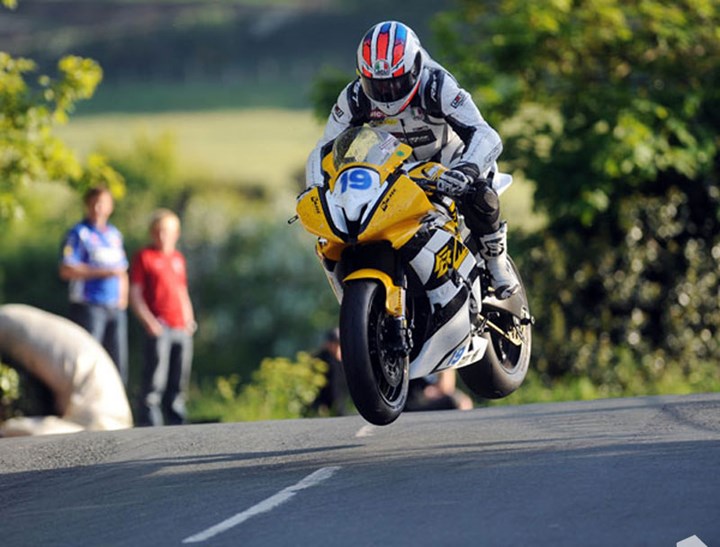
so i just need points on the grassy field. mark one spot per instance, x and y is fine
(244, 146)
(268, 146)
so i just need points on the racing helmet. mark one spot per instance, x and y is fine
(389, 63)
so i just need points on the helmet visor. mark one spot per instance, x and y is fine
(388, 90)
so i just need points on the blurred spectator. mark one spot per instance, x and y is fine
(95, 264)
(160, 299)
(437, 392)
(333, 397)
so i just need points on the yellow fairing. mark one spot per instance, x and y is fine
(429, 170)
(397, 218)
(394, 295)
(312, 216)
(330, 249)
(328, 166)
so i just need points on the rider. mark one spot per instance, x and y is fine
(401, 89)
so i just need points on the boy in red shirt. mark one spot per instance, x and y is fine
(160, 299)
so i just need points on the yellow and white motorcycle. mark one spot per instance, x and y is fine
(414, 297)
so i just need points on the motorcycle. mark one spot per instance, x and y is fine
(414, 295)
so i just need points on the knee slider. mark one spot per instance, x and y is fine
(485, 200)
(482, 210)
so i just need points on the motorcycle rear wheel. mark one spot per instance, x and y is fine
(377, 380)
(504, 366)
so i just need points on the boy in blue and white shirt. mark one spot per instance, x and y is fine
(95, 264)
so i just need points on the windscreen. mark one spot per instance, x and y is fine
(363, 144)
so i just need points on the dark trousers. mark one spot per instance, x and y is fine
(109, 327)
(166, 377)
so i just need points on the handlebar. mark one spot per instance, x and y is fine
(431, 186)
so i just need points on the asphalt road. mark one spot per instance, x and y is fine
(622, 472)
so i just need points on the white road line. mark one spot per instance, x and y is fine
(365, 431)
(692, 541)
(264, 506)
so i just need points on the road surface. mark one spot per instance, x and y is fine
(619, 472)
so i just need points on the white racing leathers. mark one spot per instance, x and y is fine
(441, 123)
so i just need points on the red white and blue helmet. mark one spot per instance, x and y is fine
(389, 63)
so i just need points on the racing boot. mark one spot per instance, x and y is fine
(493, 250)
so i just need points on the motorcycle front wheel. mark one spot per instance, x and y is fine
(377, 379)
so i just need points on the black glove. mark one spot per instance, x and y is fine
(453, 183)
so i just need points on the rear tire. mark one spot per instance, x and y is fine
(504, 366)
(377, 381)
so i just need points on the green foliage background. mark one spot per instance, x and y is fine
(609, 110)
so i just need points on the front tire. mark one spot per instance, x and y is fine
(377, 380)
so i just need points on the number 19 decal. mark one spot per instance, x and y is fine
(357, 179)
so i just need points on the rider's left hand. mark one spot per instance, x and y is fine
(453, 183)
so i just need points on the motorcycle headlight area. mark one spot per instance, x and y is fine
(355, 191)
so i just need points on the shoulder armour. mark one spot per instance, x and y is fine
(432, 91)
(358, 103)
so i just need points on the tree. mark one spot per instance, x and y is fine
(29, 152)
(612, 108)
(633, 86)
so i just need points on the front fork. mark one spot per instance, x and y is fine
(397, 335)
